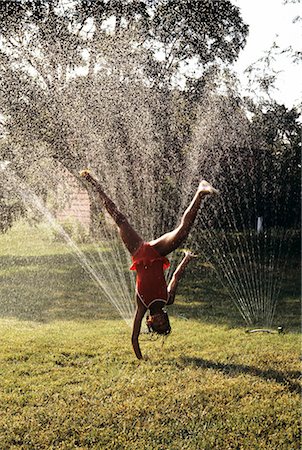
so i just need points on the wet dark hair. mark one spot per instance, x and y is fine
(159, 323)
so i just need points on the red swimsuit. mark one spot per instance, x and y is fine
(151, 285)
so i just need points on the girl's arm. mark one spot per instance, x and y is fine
(140, 312)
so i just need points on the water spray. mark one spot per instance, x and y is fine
(4, 164)
(106, 282)
(259, 225)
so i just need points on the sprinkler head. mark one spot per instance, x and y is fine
(280, 330)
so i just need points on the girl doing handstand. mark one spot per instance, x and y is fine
(149, 261)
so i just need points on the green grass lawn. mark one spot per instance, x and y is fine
(69, 378)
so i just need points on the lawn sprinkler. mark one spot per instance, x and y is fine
(280, 330)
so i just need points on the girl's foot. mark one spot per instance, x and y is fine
(206, 188)
(189, 255)
(85, 173)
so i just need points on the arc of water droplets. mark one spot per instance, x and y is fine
(248, 268)
(103, 278)
(227, 263)
(245, 261)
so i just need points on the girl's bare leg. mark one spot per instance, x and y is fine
(129, 236)
(172, 240)
(177, 276)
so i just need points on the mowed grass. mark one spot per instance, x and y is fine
(69, 378)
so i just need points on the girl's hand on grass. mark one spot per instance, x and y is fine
(143, 359)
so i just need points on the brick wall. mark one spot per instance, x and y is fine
(78, 207)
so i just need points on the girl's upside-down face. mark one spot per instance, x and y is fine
(159, 323)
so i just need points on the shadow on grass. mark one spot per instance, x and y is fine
(287, 379)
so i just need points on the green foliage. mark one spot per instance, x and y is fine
(206, 29)
(75, 230)
(46, 119)
(256, 149)
(276, 130)
(10, 211)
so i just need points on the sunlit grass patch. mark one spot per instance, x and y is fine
(70, 384)
(69, 378)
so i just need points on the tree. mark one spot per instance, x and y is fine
(75, 92)
(276, 132)
(175, 31)
(203, 31)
